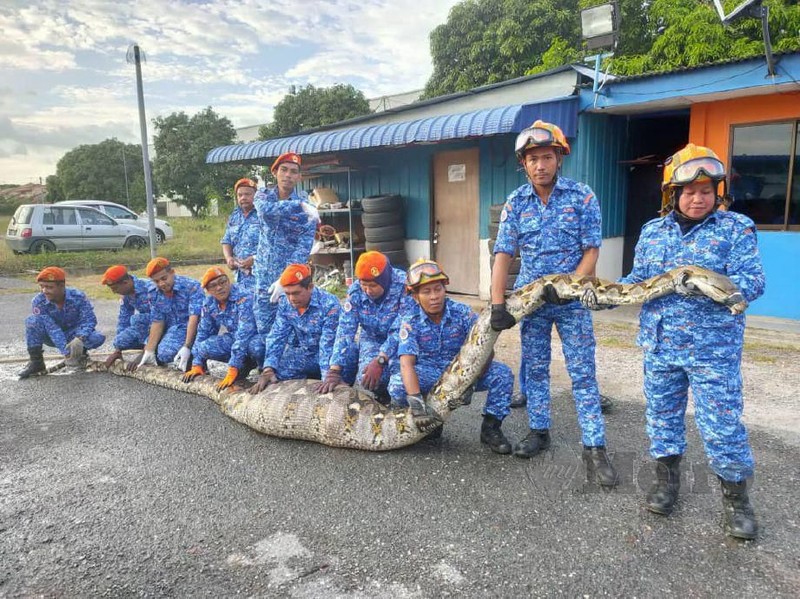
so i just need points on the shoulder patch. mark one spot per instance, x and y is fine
(348, 306)
(403, 333)
(504, 213)
(36, 310)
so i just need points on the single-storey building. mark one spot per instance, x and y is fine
(452, 157)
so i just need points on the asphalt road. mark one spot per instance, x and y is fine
(109, 487)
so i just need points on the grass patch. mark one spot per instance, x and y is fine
(763, 359)
(195, 239)
(616, 343)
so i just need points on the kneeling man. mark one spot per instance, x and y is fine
(133, 322)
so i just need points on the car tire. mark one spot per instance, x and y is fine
(390, 233)
(135, 243)
(393, 203)
(386, 246)
(42, 246)
(380, 219)
(397, 258)
(160, 236)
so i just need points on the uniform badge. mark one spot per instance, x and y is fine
(403, 333)
(36, 310)
(348, 306)
(374, 271)
(504, 213)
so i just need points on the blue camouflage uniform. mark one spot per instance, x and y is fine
(240, 339)
(692, 341)
(50, 325)
(551, 239)
(133, 322)
(287, 234)
(372, 320)
(242, 233)
(299, 345)
(435, 345)
(174, 310)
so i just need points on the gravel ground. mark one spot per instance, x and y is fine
(109, 487)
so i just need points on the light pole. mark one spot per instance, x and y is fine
(134, 56)
(125, 166)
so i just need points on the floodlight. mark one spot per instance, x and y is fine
(599, 25)
(748, 8)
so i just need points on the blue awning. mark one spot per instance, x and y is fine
(479, 123)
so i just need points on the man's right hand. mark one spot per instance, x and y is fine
(589, 301)
(501, 319)
(333, 378)
(275, 292)
(266, 379)
(232, 263)
(113, 357)
(425, 418)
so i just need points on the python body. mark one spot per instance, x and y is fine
(349, 418)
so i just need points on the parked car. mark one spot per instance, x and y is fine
(38, 228)
(121, 213)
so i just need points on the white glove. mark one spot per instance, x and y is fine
(182, 358)
(75, 355)
(312, 212)
(275, 292)
(148, 357)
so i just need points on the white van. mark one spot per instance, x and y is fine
(125, 215)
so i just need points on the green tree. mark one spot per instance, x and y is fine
(98, 172)
(180, 169)
(308, 107)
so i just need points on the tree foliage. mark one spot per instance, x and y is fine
(98, 172)
(180, 169)
(487, 41)
(308, 107)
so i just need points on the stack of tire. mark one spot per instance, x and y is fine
(384, 227)
(494, 226)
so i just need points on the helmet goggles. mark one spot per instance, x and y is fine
(691, 170)
(534, 136)
(425, 271)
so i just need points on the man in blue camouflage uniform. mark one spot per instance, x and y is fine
(554, 222)
(240, 241)
(370, 310)
(690, 341)
(301, 340)
(61, 317)
(133, 321)
(288, 223)
(240, 345)
(429, 337)
(176, 303)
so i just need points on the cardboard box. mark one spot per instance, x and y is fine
(323, 195)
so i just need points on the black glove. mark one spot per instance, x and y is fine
(425, 418)
(550, 295)
(501, 319)
(589, 301)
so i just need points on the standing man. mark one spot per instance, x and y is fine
(231, 307)
(133, 321)
(288, 224)
(61, 317)
(370, 310)
(430, 335)
(300, 343)
(691, 342)
(555, 224)
(240, 241)
(176, 303)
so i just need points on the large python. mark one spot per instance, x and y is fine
(350, 418)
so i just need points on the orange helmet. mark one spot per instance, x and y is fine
(692, 163)
(425, 271)
(541, 135)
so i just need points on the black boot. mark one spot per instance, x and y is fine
(493, 436)
(536, 440)
(518, 400)
(598, 467)
(605, 404)
(36, 364)
(739, 519)
(662, 495)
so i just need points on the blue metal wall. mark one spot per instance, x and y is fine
(779, 251)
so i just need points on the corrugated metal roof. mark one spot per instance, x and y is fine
(479, 123)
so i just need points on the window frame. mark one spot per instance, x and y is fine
(793, 147)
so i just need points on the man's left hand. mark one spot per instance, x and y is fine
(74, 353)
(312, 212)
(266, 379)
(551, 296)
(685, 288)
(182, 358)
(372, 375)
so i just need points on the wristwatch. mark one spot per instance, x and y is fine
(382, 360)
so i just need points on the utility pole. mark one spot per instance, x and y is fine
(125, 166)
(134, 55)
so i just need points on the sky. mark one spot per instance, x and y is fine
(64, 79)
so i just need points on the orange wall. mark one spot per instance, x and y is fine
(710, 123)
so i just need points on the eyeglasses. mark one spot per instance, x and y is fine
(694, 168)
(217, 283)
(533, 136)
(427, 270)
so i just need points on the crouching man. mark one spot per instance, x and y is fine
(231, 307)
(430, 336)
(300, 343)
(61, 317)
(133, 321)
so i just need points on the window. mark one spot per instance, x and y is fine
(92, 217)
(59, 216)
(765, 174)
(119, 213)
